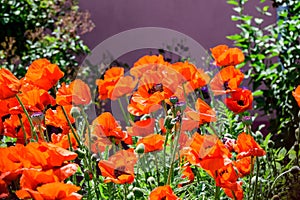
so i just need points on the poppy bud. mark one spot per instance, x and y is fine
(270, 144)
(151, 180)
(130, 195)
(37, 117)
(247, 120)
(180, 106)
(168, 122)
(173, 99)
(88, 175)
(295, 170)
(75, 112)
(275, 197)
(95, 157)
(296, 147)
(80, 153)
(140, 149)
(138, 192)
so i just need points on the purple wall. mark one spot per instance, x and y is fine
(206, 21)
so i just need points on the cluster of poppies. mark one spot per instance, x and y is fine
(29, 106)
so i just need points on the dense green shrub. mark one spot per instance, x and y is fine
(272, 52)
(32, 29)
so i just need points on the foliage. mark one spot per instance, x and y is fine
(32, 29)
(272, 52)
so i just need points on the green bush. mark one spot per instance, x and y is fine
(32, 29)
(272, 52)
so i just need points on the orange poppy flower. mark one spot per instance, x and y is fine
(296, 95)
(238, 193)
(106, 125)
(146, 63)
(152, 142)
(246, 146)
(243, 165)
(208, 152)
(240, 100)
(98, 143)
(10, 85)
(154, 87)
(62, 140)
(78, 93)
(107, 85)
(203, 114)
(188, 174)
(124, 86)
(4, 193)
(57, 118)
(119, 168)
(163, 192)
(4, 107)
(225, 177)
(226, 80)
(12, 128)
(142, 128)
(225, 56)
(43, 74)
(34, 100)
(54, 190)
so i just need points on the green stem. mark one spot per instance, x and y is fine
(23, 129)
(256, 179)
(88, 127)
(217, 193)
(123, 112)
(157, 169)
(175, 147)
(251, 174)
(71, 126)
(28, 117)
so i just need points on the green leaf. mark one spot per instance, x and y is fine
(233, 2)
(258, 93)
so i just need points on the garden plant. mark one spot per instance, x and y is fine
(176, 131)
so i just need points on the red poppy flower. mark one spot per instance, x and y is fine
(124, 86)
(54, 190)
(62, 140)
(226, 80)
(240, 100)
(34, 100)
(226, 177)
(106, 125)
(188, 174)
(154, 87)
(225, 56)
(142, 128)
(43, 74)
(163, 192)
(243, 165)
(107, 85)
(152, 142)
(146, 63)
(296, 95)
(57, 118)
(119, 168)
(10, 85)
(77, 93)
(203, 114)
(4, 107)
(207, 151)
(4, 193)
(246, 146)
(12, 128)
(238, 193)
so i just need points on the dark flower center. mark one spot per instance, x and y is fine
(119, 171)
(156, 88)
(226, 86)
(240, 102)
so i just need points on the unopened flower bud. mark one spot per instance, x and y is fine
(37, 117)
(151, 180)
(88, 175)
(275, 197)
(75, 112)
(271, 144)
(295, 170)
(180, 106)
(140, 148)
(173, 99)
(247, 120)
